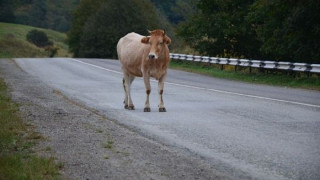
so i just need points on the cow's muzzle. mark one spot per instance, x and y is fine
(152, 56)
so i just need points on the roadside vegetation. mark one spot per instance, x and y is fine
(264, 30)
(17, 159)
(14, 44)
(275, 78)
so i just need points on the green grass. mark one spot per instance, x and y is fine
(108, 145)
(13, 42)
(298, 80)
(17, 159)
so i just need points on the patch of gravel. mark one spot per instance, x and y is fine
(88, 144)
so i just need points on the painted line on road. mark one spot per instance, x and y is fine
(99, 67)
(209, 89)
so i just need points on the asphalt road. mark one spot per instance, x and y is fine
(243, 130)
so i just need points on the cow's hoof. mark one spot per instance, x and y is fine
(162, 110)
(129, 107)
(147, 109)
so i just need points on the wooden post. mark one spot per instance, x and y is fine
(221, 67)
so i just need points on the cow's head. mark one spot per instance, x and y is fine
(158, 40)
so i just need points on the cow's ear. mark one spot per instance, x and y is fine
(145, 40)
(167, 40)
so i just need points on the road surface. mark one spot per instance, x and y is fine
(243, 130)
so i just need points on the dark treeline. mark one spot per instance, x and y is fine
(282, 30)
(50, 14)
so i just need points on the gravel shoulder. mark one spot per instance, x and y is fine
(91, 146)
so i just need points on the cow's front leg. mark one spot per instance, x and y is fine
(160, 90)
(127, 80)
(148, 91)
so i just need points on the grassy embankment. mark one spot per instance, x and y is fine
(13, 42)
(297, 80)
(17, 159)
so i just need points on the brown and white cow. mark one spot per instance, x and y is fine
(144, 56)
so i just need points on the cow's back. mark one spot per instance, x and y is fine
(131, 53)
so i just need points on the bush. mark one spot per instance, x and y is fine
(38, 38)
(52, 51)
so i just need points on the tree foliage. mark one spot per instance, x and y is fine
(82, 13)
(286, 30)
(52, 14)
(175, 10)
(39, 38)
(6, 11)
(96, 33)
(38, 13)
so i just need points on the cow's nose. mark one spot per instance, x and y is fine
(151, 56)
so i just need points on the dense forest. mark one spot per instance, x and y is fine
(281, 30)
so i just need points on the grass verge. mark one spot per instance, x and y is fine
(297, 80)
(17, 159)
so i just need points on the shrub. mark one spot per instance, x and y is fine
(38, 38)
(52, 51)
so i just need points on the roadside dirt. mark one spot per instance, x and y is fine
(89, 145)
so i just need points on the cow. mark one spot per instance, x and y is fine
(144, 56)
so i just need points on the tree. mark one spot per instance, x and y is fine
(6, 11)
(218, 28)
(114, 19)
(82, 13)
(288, 29)
(38, 14)
(283, 30)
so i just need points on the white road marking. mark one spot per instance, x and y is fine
(99, 67)
(208, 89)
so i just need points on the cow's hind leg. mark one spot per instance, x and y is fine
(127, 80)
(160, 90)
(125, 101)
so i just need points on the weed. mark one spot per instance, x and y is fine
(108, 145)
(99, 131)
(47, 148)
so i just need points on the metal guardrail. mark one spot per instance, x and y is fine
(302, 67)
